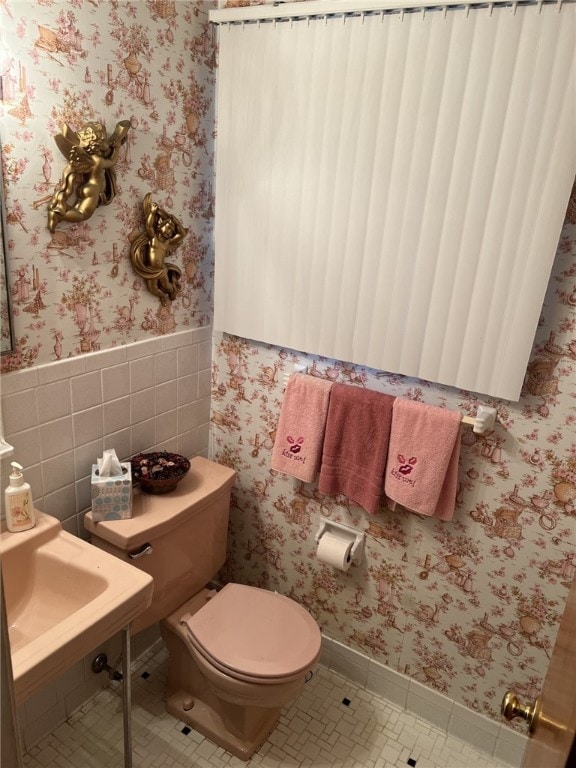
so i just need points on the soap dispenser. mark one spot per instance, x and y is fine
(19, 510)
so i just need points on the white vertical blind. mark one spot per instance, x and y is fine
(390, 189)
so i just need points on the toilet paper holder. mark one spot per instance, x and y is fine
(344, 531)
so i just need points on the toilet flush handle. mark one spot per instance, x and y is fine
(145, 549)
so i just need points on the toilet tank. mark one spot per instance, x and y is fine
(179, 538)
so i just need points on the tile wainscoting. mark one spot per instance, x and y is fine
(59, 417)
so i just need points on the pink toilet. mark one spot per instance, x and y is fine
(237, 655)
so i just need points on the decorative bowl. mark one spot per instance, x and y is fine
(159, 472)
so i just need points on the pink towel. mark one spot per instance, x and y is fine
(300, 432)
(422, 470)
(356, 445)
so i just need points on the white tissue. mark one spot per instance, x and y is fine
(109, 465)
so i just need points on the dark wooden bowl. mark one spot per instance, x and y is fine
(165, 470)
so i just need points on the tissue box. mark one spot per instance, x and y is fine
(112, 496)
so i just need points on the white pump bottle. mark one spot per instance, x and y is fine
(19, 509)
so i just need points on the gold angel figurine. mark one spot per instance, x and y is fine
(149, 250)
(89, 179)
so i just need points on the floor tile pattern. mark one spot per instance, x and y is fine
(333, 724)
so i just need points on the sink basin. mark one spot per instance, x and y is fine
(63, 598)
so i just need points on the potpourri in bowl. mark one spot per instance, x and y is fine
(158, 472)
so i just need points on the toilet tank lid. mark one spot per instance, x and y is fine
(154, 516)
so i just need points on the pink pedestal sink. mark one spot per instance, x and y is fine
(64, 597)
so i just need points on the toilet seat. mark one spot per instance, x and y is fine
(255, 635)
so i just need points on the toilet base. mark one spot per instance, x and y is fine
(255, 721)
(237, 723)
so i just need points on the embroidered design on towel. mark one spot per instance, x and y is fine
(406, 468)
(295, 448)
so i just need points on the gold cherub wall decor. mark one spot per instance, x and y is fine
(89, 178)
(148, 251)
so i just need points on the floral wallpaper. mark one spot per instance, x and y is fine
(67, 63)
(468, 607)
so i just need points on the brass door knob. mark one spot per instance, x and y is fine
(532, 713)
(512, 708)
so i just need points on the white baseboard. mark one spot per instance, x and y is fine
(482, 733)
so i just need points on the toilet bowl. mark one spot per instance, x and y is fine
(236, 655)
(236, 658)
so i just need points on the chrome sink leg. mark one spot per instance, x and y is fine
(126, 697)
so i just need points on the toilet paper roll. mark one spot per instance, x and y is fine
(335, 551)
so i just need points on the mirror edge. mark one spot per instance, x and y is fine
(5, 290)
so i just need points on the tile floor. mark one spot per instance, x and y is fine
(333, 724)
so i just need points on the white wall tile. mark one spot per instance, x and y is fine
(88, 425)
(193, 443)
(115, 382)
(19, 411)
(176, 340)
(510, 747)
(142, 405)
(70, 679)
(85, 456)
(202, 334)
(204, 355)
(165, 366)
(205, 383)
(388, 683)
(326, 651)
(78, 696)
(166, 426)
(19, 380)
(54, 401)
(165, 397)
(58, 472)
(141, 373)
(187, 360)
(349, 663)
(56, 437)
(120, 441)
(44, 725)
(143, 436)
(83, 491)
(187, 389)
(429, 705)
(70, 525)
(188, 418)
(171, 445)
(97, 361)
(62, 369)
(475, 729)
(61, 503)
(116, 415)
(144, 348)
(33, 475)
(86, 390)
(40, 702)
(26, 444)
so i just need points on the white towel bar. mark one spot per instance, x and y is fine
(484, 421)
